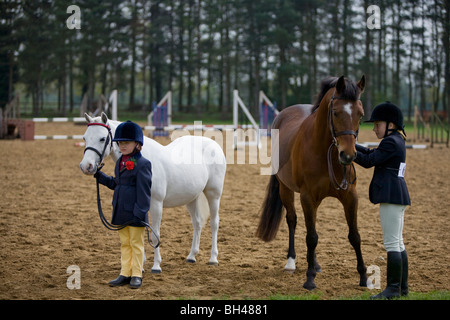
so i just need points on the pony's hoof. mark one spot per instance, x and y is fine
(290, 265)
(156, 271)
(190, 260)
(309, 285)
(290, 271)
(213, 263)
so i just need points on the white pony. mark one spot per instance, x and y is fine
(189, 171)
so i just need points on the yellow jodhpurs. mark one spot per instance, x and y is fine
(132, 251)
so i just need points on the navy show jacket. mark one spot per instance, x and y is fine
(132, 195)
(387, 186)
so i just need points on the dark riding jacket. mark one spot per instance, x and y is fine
(132, 195)
(388, 183)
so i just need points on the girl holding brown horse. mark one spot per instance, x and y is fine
(388, 188)
(316, 150)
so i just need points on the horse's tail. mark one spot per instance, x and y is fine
(204, 208)
(270, 211)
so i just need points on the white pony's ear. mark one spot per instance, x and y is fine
(88, 118)
(104, 118)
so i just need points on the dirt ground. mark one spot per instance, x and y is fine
(49, 221)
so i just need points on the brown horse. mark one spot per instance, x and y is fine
(316, 152)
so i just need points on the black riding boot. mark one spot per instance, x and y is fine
(119, 281)
(404, 283)
(394, 277)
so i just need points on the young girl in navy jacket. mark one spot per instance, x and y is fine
(131, 201)
(388, 188)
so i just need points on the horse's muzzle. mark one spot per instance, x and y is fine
(345, 158)
(88, 168)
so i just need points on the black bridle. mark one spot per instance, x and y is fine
(108, 140)
(347, 175)
(108, 225)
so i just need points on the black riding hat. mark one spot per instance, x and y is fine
(388, 112)
(129, 131)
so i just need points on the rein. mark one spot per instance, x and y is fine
(114, 227)
(347, 175)
(105, 222)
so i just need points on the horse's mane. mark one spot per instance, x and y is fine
(351, 91)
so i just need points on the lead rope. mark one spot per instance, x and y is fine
(114, 227)
(344, 184)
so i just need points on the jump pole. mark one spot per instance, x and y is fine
(60, 119)
(263, 98)
(58, 137)
(112, 100)
(237, 103)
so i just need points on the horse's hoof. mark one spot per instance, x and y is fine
(157, 271)
(290, 265)
(309, 285)
(190, 260)
(291, 271)
(213, 263)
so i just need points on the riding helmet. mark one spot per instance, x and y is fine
(388, 112)
(129, 131)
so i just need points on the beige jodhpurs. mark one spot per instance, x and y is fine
(132, 251)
